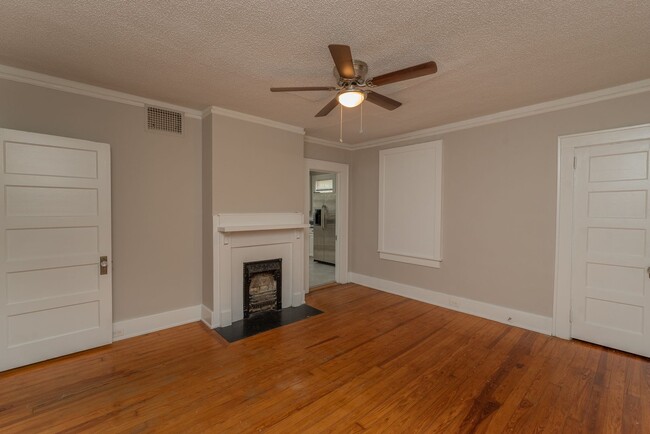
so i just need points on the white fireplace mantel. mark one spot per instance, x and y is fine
(239, 238)
(260, 228)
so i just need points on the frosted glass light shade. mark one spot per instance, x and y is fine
(351, 98)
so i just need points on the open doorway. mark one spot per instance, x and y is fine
(322, 228)
(326, 206)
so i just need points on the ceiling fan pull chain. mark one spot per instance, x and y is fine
(341, 125)
(361, 127)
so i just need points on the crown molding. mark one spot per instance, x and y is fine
(56, 83)
(331, 144)
(250, 118)
(531, 110)
(60, 84)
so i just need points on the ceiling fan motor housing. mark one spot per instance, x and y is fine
(360, 72)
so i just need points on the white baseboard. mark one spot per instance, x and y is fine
(298, 299)
(152, 323)
(505, 315)
(207, 316)
(530, 321)
(226, 318)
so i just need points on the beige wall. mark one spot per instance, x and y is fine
(499, 193)
(248, 167)
(156, 192)
(499, 205)
(206, 192)
(327, 153)
(255, 168)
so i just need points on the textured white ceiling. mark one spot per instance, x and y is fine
(492, 55)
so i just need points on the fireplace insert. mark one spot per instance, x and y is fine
(262, 286)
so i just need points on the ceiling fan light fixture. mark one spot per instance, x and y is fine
(352, 86)
(351, 98)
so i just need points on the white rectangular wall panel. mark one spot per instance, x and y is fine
(410, 200)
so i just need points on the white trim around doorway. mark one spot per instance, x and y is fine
(564, 226)
(342, 182)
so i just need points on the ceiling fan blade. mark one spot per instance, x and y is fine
(299, 89)
(328, 108)
(382, 101)
(343, 60)
(406, 74)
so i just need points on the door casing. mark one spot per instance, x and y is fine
(342, 177)
(564, 220)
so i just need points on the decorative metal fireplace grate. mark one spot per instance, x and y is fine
(262, 286)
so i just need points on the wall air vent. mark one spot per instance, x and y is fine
(159, 119)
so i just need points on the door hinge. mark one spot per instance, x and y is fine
(575, 162)
(571, 316)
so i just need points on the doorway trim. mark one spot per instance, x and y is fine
(564, 220)
(342, 193)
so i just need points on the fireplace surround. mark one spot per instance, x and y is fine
(240, 238)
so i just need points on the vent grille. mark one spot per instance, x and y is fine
(159, 119)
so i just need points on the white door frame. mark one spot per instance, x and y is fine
(564, 222)
(342, 194)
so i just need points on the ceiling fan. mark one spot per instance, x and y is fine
(352, 85)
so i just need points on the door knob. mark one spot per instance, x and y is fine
(648, 270)
(103, 265)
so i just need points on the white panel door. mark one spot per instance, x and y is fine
(610, 295)
(55, 224)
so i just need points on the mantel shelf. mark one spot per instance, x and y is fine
(250, 228)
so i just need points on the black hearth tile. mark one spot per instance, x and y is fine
(266, 321)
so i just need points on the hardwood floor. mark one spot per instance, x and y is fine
(372, 362)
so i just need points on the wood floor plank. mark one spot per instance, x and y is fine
(644, 369)
(394, 376)
(372, 361)
(475, 401)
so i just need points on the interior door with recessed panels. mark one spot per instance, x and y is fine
(610, 293)
(55, 233)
